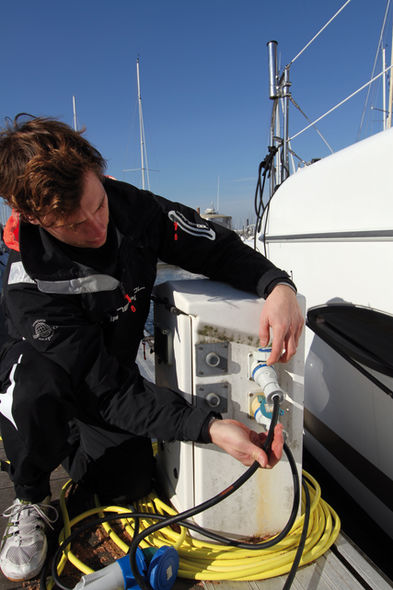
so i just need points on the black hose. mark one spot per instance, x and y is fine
(218, 498)
(180, 518)
(144, 584)
(165, 521)
(264, 170)
(302, 542)
(87, 526)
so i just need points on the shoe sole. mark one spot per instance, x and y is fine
(31, 576)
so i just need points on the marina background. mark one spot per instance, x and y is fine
(204, 83)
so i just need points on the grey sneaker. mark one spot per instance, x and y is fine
(24, 546)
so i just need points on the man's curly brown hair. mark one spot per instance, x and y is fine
(42, 166)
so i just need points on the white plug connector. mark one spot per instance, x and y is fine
(265, 375)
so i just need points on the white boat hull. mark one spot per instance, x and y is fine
(330, 226)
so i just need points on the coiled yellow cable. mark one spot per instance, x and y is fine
(209, 561)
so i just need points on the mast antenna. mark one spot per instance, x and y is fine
(74, 113)
(142, 140)
(144, 169)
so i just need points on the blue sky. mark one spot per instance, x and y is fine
(204, 79)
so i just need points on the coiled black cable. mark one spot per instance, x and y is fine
(181, 518)
(164, 522)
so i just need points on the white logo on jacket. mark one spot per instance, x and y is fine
(42, 330)
(124, 308)
(199, 230)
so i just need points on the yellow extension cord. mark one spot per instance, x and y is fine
(209, 561)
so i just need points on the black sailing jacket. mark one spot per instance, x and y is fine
(90, 322)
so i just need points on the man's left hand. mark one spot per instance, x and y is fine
(281, 313)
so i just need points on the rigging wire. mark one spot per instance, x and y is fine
(319, 32)
(374, 66)
(260, 207)
(266, 168)
(308, 119)
(368, 84)
(341, 103)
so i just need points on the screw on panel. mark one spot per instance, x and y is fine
(213, 399)
(212, 359)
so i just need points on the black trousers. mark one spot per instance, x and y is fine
(43, 424)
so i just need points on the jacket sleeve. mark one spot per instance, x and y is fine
(92, 379)
(203, 247)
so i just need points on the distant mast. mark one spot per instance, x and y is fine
(144, 165)
(389, 118)
(74, 113)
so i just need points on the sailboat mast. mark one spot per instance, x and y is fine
(141, 130)
(389, 119)
(285, 95)
(384, 87)
(74, 113)
(144, 163)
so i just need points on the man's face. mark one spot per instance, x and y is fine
(87, 227)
